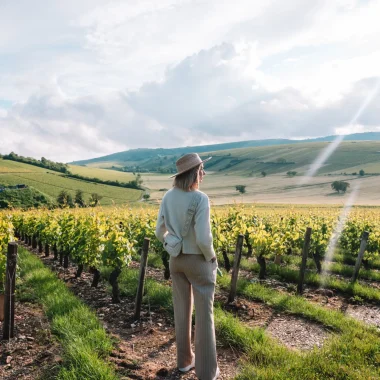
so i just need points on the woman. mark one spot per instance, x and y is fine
(193, 271)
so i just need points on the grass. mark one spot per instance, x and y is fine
(337, 268)
(85, 343)
(51, 183)
(352, 355)
(351, 260)
(329, 282)
(352, 352)
(291, 304)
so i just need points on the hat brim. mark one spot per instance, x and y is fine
(175, 175)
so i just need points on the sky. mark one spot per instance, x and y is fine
(85, 78)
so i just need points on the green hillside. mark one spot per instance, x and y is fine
(163, 160)
(103, 174)
(24, 198)
(349, 157)
(52, 183)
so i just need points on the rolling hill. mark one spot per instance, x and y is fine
(142, 155)
(351, 156)
(51, 183)
(348, 158)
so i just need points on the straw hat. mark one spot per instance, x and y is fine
(187, 162)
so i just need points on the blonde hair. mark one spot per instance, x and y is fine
(187, 180)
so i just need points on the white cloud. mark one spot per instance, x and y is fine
(219, 101)
(216, 103)
(51, 125)
(92, 77)
(355, 129)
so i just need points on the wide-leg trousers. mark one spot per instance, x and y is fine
(193, 276)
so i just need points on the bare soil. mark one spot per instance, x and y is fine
(33, 353)
(365, 313)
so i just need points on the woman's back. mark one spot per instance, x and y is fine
(172, 217)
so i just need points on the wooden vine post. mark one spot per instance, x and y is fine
(9, 299)
(235, 269)
(140, 289)
(47, 250)
(34, 242)
(363, 245)
(305, 252)
(55, 251)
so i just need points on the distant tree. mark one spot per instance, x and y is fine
(264, 174)
(281, 160)
(79, 199)
(146, 197)
(64, 199)
(240, 188)
(291, 173)
(44, 163)
(361, 172)
(94, 199)
(340, 186)
(139, 180)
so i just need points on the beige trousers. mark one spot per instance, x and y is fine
(192, 276)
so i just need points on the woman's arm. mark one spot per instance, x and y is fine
(160, 226)
(203, 229)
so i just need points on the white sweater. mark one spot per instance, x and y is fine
(172, 217)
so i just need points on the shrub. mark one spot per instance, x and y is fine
(340, 186)
(240, 188)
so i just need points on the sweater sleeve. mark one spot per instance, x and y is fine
(202, 228)
(160, 226)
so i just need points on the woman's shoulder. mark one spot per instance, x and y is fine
(203, 198)
(175, 192)
(202, 194)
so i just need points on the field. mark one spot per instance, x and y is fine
(103, 174)
(268, 332)
(52, 183)
(276, 188)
